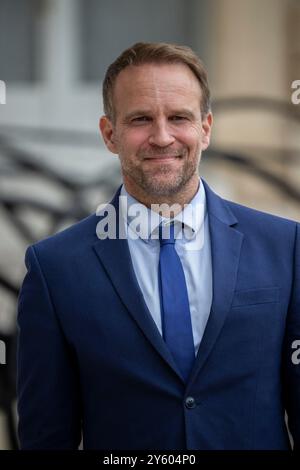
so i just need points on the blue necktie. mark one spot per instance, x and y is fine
(175, 310)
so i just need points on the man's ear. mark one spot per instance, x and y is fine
(207, 122)
(107, 130)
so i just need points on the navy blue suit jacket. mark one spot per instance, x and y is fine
(90, 356)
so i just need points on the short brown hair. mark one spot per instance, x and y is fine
(160, 52)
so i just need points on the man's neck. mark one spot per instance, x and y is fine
(169, 205)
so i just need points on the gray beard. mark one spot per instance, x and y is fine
(157, 186)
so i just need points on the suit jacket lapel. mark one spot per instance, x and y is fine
(226, 244)
(115, 258)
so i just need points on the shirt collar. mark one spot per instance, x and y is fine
(143, 222)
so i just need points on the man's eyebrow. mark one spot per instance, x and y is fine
(137, 112)
(183, 111)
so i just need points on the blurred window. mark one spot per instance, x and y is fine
(108, 27)
(17, 40)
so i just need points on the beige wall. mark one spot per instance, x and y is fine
(253, 52)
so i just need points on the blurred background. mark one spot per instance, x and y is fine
(54, 168)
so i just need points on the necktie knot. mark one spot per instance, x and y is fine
(166, 235)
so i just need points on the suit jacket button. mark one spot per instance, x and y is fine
(190, 402)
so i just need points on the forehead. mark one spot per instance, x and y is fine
(150, 84)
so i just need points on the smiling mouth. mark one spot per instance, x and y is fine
(161, 158)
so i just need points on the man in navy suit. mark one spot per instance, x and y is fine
(100, 355)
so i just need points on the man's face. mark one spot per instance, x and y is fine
(158, 131)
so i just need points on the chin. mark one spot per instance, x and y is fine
(163, 186)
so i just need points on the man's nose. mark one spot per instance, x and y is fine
(161, 134)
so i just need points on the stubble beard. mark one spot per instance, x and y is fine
(159, 182)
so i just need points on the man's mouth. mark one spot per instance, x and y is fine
(162, 157)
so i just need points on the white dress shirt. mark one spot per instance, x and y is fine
(192, 245)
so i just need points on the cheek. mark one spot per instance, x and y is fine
(190, 136)
(133, 139)
(195, 132)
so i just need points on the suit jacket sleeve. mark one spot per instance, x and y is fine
(291, 366)
(47, 384)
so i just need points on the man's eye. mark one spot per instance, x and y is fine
(178, 118)
(141, 119)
